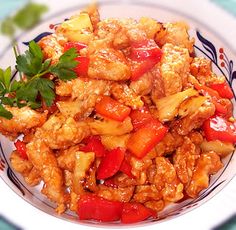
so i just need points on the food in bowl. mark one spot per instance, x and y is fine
(119, 117)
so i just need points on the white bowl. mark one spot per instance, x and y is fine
(207, 44)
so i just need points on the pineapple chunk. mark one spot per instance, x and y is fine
(190, 105)
(112, 142)
(77, 29)
(78, 22)
(221, 148)
(110, 127)
(168, 106)
(83, 162)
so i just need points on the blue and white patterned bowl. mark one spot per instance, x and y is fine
(207, 44)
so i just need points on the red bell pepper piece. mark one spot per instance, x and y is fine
(144, 140)
(146, 49)
(95, 145)
(207, 91)
(223, 89)
(140, 118)
(110, 183)
(96, 208)
(21, 149)
(110, 164)
(83, 62)
(144, 56)
(126, 168)
(82, 67)
(112, 109)
(135, 212)
(77, 45)
(218, 128)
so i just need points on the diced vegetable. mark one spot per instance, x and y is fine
(144, 56)
(112, 142)
(168, 106)
(110, 127)
(82, 68)
(207, 91)
(110, 183)
(96, 208)
(73, 28)
(77, 45)
(83, 162)
(95, 145)
(111, 163)
(135, 212)
(112, 109)
(78, 22)
(126, 168)
(218, 128)
(140, 118)
(190, 105)
(144, 139)
(21, 149)
(223, 89)
(220, 147)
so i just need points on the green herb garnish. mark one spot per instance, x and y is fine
(35, 85)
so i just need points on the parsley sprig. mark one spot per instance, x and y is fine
(35, 87)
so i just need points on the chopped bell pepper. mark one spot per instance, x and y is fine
(218, 128)
(223, 89)
(82, 68)
(144, 56)
(110, 183)
(77, 45)
(140, 118)
(135, 212)
(21, 149)
(144, 140)
(110, 163)
(126, 168)
(92, 207)
(207, 91)
(95, 145)
(112, 109)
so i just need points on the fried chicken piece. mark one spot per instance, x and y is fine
(23, 120)
(208, 164)
(174, 68)
(155, 205)
(66, 158)
(144, 193)
(114, 31)
(158, 89)
(169, 143)
(115, 194)
(185, 160)
(201, 68)
(19, 164)
(126, 95)
(175, 34)
(143, 85)
(108, 64)
(150, 26)
(25, 168)
(164, 177)
(52, 46)
(84, 94)
(59, 132)
(44, 160)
